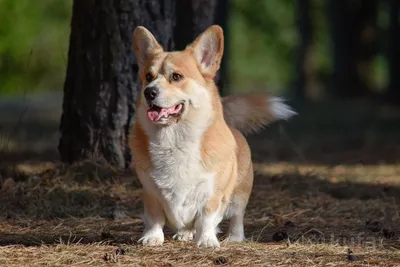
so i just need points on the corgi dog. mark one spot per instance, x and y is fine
(187, 143)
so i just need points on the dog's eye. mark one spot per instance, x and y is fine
(149, 77)
(176, 77)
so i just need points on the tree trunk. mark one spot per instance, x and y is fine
(193, 17)
(354, 45)
(305, 74)
(393, 92)
(101, 82)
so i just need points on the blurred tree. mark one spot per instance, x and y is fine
(393, 92)
(305, 70)
(101, 82)
(367, 43)
(193, 17)
(222, 18)
(353, 30)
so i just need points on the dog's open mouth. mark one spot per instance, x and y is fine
(156, 113)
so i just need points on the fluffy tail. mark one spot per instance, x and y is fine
(251, 112)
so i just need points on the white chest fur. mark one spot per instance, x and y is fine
(181, 180)
(182, 183)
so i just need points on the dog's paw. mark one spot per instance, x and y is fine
(235, 238)
(207, 241)
(153, 238)
(183, 235)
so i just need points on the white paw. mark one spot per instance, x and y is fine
(207, 241)
(152, 238)
(183, 235)
(235, 238)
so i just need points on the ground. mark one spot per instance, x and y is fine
(326, 182)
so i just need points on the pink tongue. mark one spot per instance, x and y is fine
(155, 115)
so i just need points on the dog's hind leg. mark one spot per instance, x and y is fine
(237, 207)
(236, 228)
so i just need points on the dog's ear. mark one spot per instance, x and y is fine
(208, 49)
(145, 45)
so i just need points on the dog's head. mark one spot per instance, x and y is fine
(177, 84)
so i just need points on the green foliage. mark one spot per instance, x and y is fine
(264, 38)
(262, 49)
(33, 44)
(262, 42)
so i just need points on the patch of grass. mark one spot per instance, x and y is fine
(171, 254)
(57, 219)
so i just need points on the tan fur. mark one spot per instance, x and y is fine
(139, 141)
(224, 155)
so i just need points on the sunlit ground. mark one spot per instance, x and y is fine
(327, 181)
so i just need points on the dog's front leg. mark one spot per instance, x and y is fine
(154, 220)
(206, 225)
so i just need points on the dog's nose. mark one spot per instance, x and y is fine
(150, 93)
